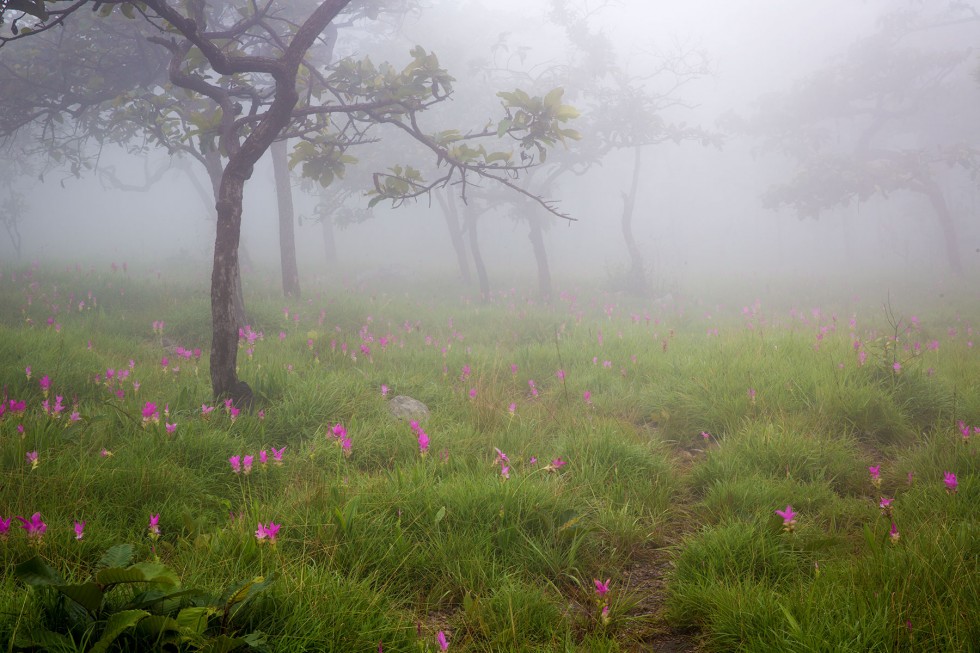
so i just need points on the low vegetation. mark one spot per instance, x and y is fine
(601, 474)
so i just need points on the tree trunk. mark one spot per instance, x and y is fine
(447, 203)
(536, 236)
(481, 269)
(329, 242)
(287, 237)
(635, 274)
(946, 224)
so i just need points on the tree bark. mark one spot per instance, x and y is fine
(536, 236)
(946, 224)
(635, 274)
(287, 237)
(481, 270)
(447, 203)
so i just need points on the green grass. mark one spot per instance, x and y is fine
(385, 544)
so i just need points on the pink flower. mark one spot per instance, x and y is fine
(263, 457)
(277, 455)
(32, 459)
(601, 587)
(4, 527)
(150, 413)
(789, 517)
(384, 390)
(247, 464)
(35, 527)
(587, 397)
(79, 530)
(501, 457)
(171, 428)
(45, 383)
(154, 526)
(505, 471)
(27, 370)
(236, 464)
(105, 453)
(949, 478)
(512, 409)
(423, 441)
(885, 504)
(705, 436)
(206, 410)
(513, 368)
(894, 534)
(560, 375)
(443, 642)
(875, 473)
(472, 393)
(269, 532)
(897, 367)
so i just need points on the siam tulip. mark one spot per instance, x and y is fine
(501, 458)
(587, 397)
(45, 383)
(443, 641)
(27, 370)
(560, 375)
(105, 453)
(384, 390)
(153, 527)
(35, 527)
(263, 457)
(236, 464)
(277, 455)
(423, 441)
(247, 464)
(555, 465)
(886, 506)
(893, 534)
(875, 473)
(32, 459)
(604, 615)
(4, 528)
(79, 530)
(705, 436)
(789, 518)
(949, 478)
(171, 428)
(270, 532)
(505, 471)
(150, 413)
(897, 367)
(512, 409)
(206, 410)
(601, 587)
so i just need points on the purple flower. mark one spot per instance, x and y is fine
(236, 464)
(443, 642)
(4, 527)
(35, 527)
(79, 530)
(949, 478)
(247, 464)
(601, 587)
(263, 457)
(894, 534)
(277, 455)
(32, 459)
(269, 532)
(154, 526)
(171, 428)
(150, 413)
(789, 517)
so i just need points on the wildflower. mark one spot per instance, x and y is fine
(236, 464)
(79, 530)
(910, 477)
(4, 527)
(533, 461)
(423, 441)
(501, 457)
(443, 642)
(35, 527)
(105, 453)
(789, 518)
(949, 478)
(154, 526)
(27, 370)
(45, 383)
(384, 390)
(601, 587)
(505, 471)
(555, 465)
(32, 459)
(269, 532)
(171, 428)
(897, 367)
(150, 412)
(885, 505)
(752, 396)
(472, 393)
(875, 473)
(560, 375)
(604, 615)
(247, 464)
(234, 412)
(206, 410)
(893, 534)
(277, 455)
(513, 368)
(512, 409)
(75, 417)
(587, 397)
(263, 457)
(705, 436)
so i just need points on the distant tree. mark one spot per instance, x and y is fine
(250, 60)
(875, 121)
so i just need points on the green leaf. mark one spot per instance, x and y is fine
(223, 644)
(156, 625)
(118, 556)
(88, 595)
(45, 640)
(553, 99)
(440, 515)
(194, 620)
(115, 626)
(36, 572)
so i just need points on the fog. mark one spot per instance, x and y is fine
(699, 213)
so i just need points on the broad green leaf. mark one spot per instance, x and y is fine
(223, 644)
(194, 620)
(440, 515)
(36, 572)
(88, 595)
(115, 625)
(117, 556)
(157, 625)
(45, 640)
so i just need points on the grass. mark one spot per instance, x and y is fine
(699, 424)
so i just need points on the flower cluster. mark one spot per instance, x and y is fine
(422, 436)
(339, 434)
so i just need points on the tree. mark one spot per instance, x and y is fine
(251, 62)
(865, 126)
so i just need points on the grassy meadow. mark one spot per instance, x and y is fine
(598, 474)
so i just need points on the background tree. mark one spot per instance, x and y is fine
(223, 52)
(875, 122)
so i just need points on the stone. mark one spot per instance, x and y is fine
(405, 408)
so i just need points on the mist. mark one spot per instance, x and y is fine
(699, 214)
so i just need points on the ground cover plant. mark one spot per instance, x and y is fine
(599, 474)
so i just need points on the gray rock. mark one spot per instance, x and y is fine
(406, 408)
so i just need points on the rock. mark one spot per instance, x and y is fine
(405, 408)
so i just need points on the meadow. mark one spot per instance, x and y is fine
(603, 473)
